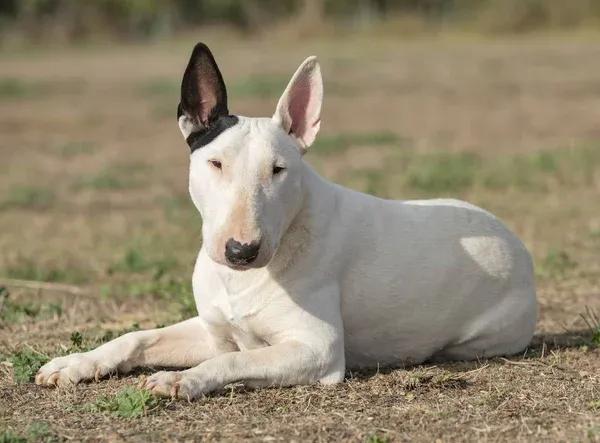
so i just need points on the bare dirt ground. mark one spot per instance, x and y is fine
(93, 178)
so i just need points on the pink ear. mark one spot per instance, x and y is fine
(299, 108)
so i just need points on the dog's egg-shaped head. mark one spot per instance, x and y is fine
(246, 174)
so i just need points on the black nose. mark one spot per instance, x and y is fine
(237, 253)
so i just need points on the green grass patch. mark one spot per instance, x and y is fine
(116, 177)
(27, 197)
(135, 261)
(106, 181)
(75, 148)
(15, 88)
(11, 88)
(376, 438)
(442, 172)
(18, 312)
(9, 436)
(556, 264)
(176, 291)
(433, 174)
(331, 144)
(39, 431)
(259, 86)
(130, 402)
(592, 320)
(537, 171)
(26, 269)
(25, 364)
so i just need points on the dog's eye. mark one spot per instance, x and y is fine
(278, 169)
(216, 163)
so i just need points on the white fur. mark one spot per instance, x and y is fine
(343, 279)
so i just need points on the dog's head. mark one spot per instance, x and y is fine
(246, 173)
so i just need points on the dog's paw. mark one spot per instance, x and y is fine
(184, 385)
(71, 369)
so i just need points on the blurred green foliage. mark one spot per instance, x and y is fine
(74, 20)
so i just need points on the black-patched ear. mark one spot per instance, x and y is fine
(203, 93)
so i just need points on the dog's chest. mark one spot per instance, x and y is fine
(234, 314)
(238, 324)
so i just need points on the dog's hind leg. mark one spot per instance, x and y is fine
(183, 345)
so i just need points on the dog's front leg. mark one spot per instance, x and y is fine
(284, 364)
(184, 344)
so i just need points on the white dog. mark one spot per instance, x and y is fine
(299, 278)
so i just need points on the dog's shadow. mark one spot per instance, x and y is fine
(541, 345)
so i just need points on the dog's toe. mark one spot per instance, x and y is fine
(162, 383)
(70, 370)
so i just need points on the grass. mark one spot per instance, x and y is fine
(75, 148)
(592, 321)
(25, 364)
(17, 312)
(11, 437)
(129, 403)
(27, 197)
(442, 172)
(556, 264)
(135, 261)
(333, 144)
(26, 269)
(415, 121)
(106, 181)
(154, 276)
(377, 439)
(37, 431)
(116, 177)
(13, 88)
(260, 86)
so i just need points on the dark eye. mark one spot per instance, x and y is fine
(278, 169)
(216, 163)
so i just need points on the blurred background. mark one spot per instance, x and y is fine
(492, 101)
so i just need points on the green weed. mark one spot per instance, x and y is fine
(340, 142)
(105, 180)
(591, 319)
(75, 148)
(26, 269)
(9, 436)
(134, 261)
(27, 197)
(40, 431)
(11, 312)
(17, 312)
(263, 86)
(16, 88)
(26, 363)
(376, 438)
(130, 402)
(11, 87)
(442, 172)
(557, 263)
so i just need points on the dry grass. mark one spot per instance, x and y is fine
(93, 194)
